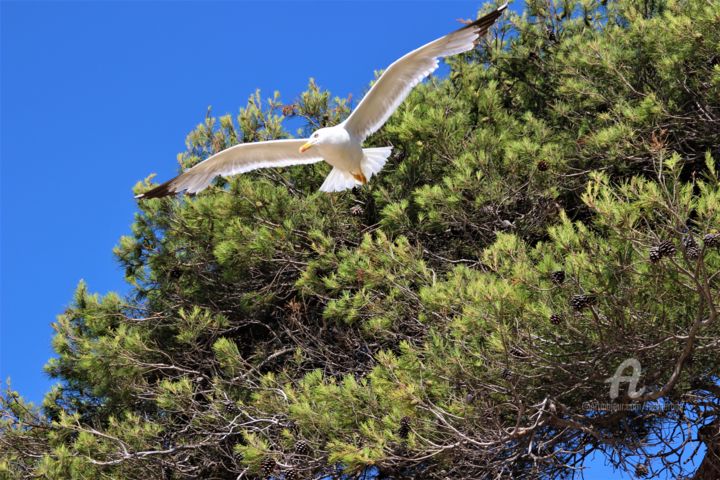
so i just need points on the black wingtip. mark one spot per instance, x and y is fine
(487, 20)
(164, 190)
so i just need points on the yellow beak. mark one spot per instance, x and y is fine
(306, 146)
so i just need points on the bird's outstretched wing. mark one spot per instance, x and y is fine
(234, 160)
(395, 84)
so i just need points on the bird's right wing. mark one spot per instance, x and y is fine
(234, 160)
(396, 83)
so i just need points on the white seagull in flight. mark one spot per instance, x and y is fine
(341, 145)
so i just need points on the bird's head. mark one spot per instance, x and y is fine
(318, 137)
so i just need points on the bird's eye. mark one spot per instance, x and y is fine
(316, 135)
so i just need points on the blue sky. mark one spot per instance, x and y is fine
(96, 96)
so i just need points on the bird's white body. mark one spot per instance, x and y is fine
(341, 145)
(339, 149)
(352, 164)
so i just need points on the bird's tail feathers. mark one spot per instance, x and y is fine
(374, 160)
(338, 180)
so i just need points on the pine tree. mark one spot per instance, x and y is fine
(265, 315)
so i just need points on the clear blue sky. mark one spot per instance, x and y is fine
(95, 96)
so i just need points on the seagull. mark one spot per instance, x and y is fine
(341, 145)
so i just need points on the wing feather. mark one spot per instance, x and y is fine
(396, 82)
(235, 160)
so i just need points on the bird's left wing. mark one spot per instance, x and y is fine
(234, 160)
(395, 84)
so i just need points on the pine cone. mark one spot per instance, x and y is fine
(641, 470)
(654, 255)
(689, 241)
(292, 474)
(555, 319)
(666, 248)
(302, 448)
(711, 240)
(557, 277)
(542, 165)
(550, 33)
(399, 449)
(267, 466)
(691, 247)
(404, 429)
(580, 302)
